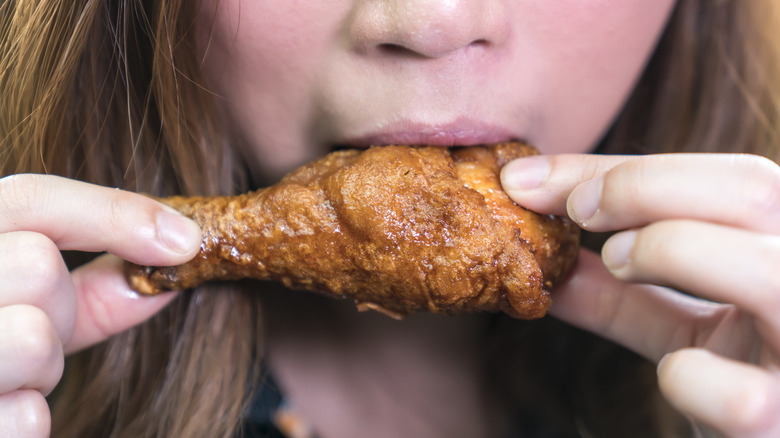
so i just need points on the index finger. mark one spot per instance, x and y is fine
(542, 183)
(86, 217)
(606, 193)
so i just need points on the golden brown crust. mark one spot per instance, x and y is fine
(397, 229)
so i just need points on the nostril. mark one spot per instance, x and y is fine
(399, 50)
(393, 49)
(427, 28)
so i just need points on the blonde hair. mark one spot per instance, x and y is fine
(713, 84)
(110, 92)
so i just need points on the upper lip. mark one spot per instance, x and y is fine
(460, 132)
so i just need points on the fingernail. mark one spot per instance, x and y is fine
(525, 173)
(584, 200)
(179, 233)
(661, 363)
(616, 252)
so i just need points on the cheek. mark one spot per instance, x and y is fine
(261, 59)
(591, 52)
(277, 35)
(258, 48)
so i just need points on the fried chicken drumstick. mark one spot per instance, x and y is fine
(397, 229)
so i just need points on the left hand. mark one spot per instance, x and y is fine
(705, 224)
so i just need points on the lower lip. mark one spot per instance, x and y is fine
(457, 134)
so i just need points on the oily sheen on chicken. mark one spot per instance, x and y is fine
(398, 229)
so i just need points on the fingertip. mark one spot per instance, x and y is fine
(156, 234)
(31, 349)
(735, 398)
(616, 252)
(180, 234)
(666, 367)
(525, 174)
(584, 201)
(24, 413)
(527, 181)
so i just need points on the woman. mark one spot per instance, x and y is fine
(172, 97)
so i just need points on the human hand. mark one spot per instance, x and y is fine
(705, 224)
(46, 311)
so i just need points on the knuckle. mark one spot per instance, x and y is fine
(118, 207)
(36, 338)
(762, 177)
(30, 415)
(39, 263)
(17, 193)
(768, 260)
(591, 168)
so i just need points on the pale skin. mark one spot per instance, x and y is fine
(298, 77)
(686, 229)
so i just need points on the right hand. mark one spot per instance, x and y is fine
(46, 311)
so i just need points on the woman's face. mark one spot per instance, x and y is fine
(298, 77)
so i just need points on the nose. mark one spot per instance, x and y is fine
(427, 28)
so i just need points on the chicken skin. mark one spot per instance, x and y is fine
(397, 229)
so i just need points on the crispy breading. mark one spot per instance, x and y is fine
(397, 229)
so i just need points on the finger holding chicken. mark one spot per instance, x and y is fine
(397, 229)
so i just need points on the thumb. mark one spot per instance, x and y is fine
(106, 305)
